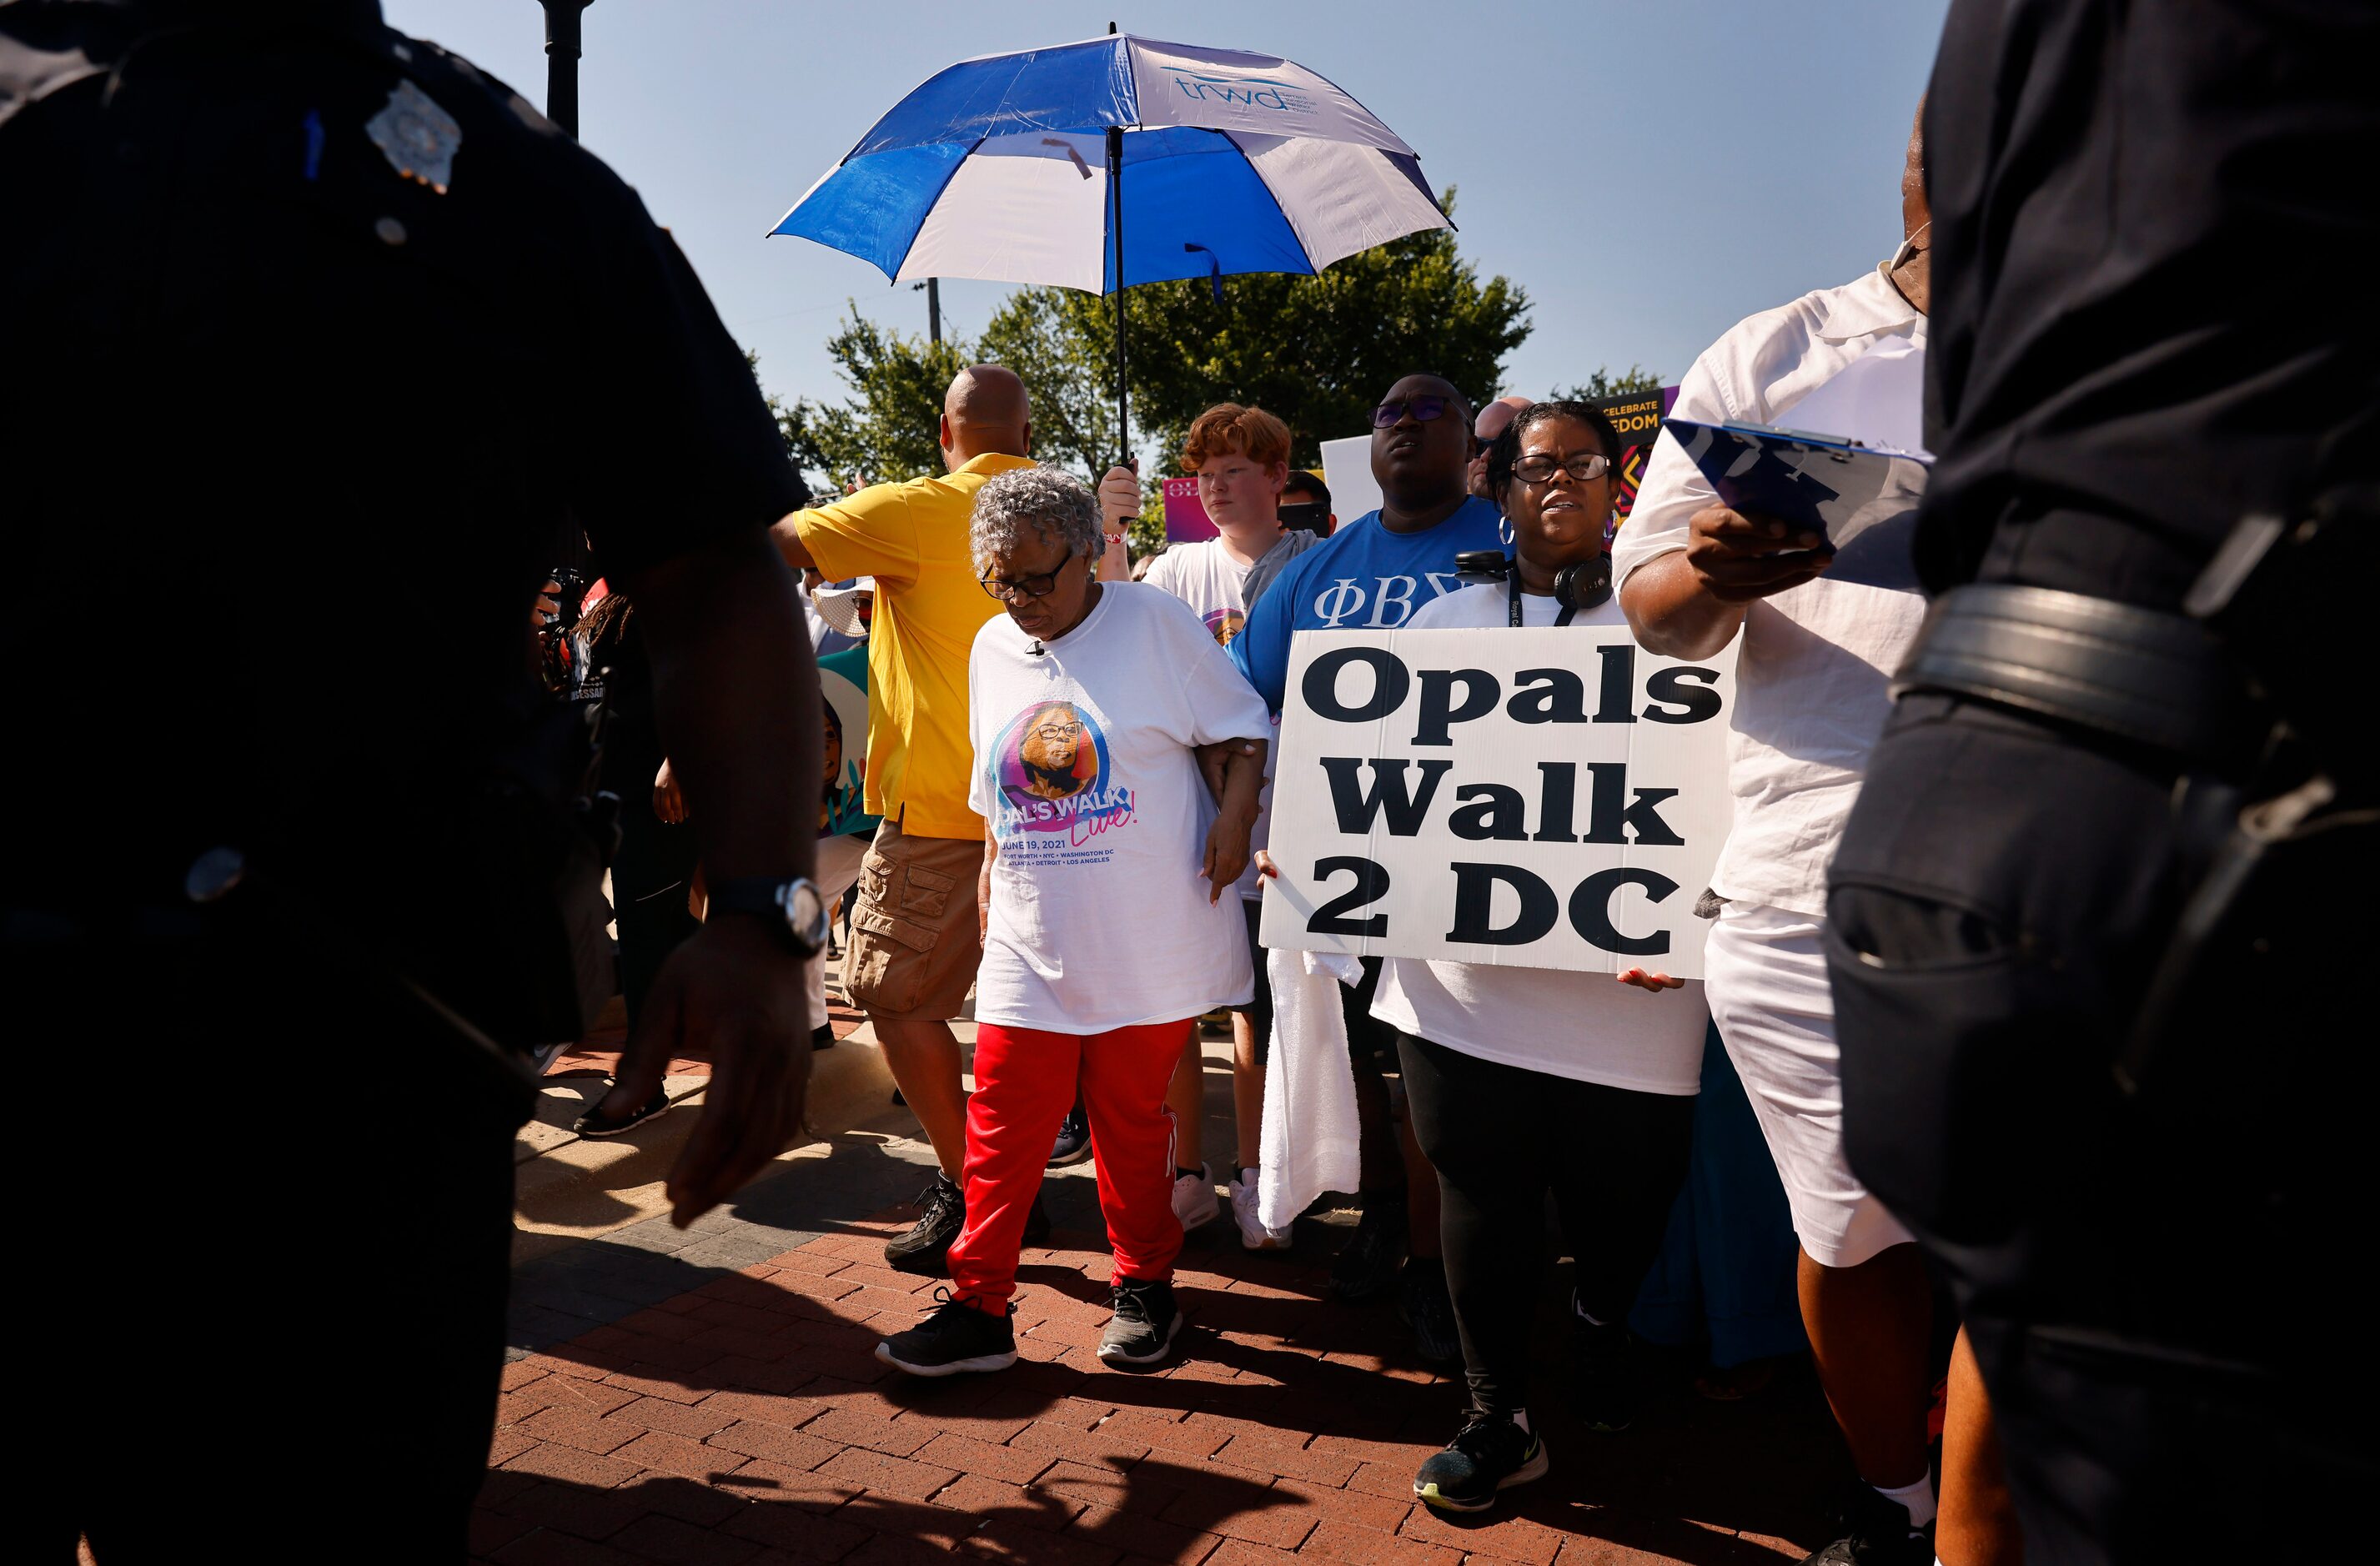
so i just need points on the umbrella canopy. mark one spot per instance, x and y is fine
(1000, 169)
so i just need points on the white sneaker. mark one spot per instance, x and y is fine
(1254, 1235)
(1194, 1199)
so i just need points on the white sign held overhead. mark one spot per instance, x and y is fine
(1547, 798)
(1347, 468)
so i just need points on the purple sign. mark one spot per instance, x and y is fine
(1185, 517)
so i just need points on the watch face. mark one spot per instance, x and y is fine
(806, 915)
(804, 907)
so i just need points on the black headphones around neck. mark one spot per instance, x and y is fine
(1586, 585)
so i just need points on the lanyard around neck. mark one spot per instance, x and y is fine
(1560, 619)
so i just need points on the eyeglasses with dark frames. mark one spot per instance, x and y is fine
(1424, 409)
(1539, 468)
(1021, 589)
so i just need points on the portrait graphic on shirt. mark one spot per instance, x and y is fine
(1224, 624)
(1053, 768)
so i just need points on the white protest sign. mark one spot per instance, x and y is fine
(1347, 468)
(1549, 797)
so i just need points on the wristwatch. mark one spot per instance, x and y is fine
(792, 907)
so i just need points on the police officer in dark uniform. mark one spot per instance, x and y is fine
(2101, 922)
(317, 340)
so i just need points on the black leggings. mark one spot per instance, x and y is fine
(649, 879)
(1501, 1137)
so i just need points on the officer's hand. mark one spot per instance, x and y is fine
(668, 801)
(548, 603)
(732, 992)
(1737, 558)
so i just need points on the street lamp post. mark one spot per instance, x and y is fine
(933, 287)
(562, 40)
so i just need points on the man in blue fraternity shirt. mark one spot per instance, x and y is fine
(1371, 574)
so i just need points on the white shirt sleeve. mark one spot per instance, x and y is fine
(1674, 489)
(980, 790)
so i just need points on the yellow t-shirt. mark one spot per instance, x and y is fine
(913, 538)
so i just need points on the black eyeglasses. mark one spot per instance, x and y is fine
(1020, 589)
(1424, 409)
(1540, 469)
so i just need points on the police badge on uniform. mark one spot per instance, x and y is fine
(416, 137)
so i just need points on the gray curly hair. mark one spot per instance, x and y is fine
(1041, 501)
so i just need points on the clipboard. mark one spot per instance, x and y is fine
(1825, 484)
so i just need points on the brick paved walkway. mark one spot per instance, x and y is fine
(727, 1409)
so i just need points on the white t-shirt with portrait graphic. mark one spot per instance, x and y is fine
(1086, 774)
(1204, 576)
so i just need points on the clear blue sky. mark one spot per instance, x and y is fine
(1650, 172)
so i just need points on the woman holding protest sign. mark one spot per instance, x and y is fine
(1522, 1080)
(1108, 922)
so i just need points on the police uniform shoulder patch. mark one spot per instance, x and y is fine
(416, 137)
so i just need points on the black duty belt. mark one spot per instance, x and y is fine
(2144, 676)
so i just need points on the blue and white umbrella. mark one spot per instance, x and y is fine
(1114, 161)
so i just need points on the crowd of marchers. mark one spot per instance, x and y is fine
(1066, 838)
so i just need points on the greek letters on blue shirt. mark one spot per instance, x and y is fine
(1361, 577)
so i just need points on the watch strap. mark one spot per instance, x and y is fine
(772, 898)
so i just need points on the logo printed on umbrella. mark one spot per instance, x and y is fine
(1256, 91)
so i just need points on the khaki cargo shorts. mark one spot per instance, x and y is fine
(913, 932)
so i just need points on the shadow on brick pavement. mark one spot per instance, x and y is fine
(710, 1395)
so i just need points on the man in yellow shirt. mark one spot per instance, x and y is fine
(913, 944)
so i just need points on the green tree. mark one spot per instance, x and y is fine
(1317, 351)
(1031, 336)
(889, 430)
(1604, 384)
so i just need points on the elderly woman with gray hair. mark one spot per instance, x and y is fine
(1106, 929)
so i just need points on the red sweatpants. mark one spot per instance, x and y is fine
(1025, 1083)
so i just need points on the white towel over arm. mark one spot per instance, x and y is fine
(1311, 1141)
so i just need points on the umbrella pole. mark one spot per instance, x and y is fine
(1115, 226)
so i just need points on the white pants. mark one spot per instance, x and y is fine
(1765, 979)
(838, 867)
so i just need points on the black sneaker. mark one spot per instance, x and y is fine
(1493, 1453)
(822, 1037)
(1143, 1327)
(1423, 1306)
(1370, 1263)
(1074, 1139)
(1875, 1531)
(593, 1123)
(1606, 1374)
(926, 1247)
(954, 1337)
